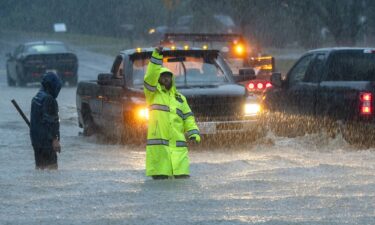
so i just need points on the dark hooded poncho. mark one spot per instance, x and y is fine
(44, 118)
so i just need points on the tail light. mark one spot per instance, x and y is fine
(365, 103)
(250, 86)
(258, 86)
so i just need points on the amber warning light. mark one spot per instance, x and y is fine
(239, 49)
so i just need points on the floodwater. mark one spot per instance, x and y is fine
(275, 180)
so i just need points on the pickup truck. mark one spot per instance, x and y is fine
(114, 105)
(326, 86)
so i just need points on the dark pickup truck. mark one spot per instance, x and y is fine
(332, 84)
(115, 105)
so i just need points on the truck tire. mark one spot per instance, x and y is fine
(20, 81)
(89, 127)
(10, 81)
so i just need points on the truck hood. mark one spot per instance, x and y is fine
(227, 90)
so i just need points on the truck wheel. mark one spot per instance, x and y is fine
(20, 81)
(10, 81)
(89, 127)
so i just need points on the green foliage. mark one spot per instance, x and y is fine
(276, 23)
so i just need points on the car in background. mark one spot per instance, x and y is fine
(29, 61)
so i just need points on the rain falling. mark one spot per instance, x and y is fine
(269, 118)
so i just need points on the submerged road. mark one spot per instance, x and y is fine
(306, 180)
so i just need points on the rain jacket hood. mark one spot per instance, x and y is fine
(52, 84)
(166, 70)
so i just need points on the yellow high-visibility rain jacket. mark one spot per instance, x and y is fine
(170, 117)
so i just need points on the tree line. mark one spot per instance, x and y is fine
(273, 23)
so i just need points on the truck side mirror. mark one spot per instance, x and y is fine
(245, 74)
(276, 80)
(104, 78)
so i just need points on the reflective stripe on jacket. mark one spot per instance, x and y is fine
(170, 118)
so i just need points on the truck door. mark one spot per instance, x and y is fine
(311, 84)
(112, 94)
(299, 96)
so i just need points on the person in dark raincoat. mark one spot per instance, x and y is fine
(45, 124)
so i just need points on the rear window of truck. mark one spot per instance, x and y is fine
(46, 48)
(352, 66)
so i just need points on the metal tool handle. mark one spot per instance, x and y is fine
(21, 112)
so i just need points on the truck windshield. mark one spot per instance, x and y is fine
(45, 48)
(188, 71)
(352, 66)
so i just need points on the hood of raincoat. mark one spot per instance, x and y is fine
(51, 83)
(166, 70)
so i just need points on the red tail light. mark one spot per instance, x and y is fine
(366, 96)
(258, 86)
(365, 103)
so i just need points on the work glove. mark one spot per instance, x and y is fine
(195, 138)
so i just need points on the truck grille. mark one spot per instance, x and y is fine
(216, 108)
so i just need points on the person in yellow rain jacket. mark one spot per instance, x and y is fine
(170, 119)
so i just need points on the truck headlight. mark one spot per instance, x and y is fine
(239, 49)
(142, 113)
(251, 109)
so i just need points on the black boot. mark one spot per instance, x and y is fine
(159, 177)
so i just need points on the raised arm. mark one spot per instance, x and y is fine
(153, 73)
